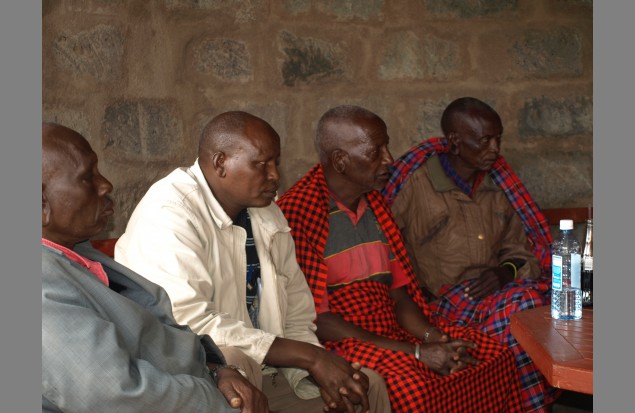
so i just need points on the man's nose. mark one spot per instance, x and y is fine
(388, 159)
(494, 145)
(273, 173)
(105, 186)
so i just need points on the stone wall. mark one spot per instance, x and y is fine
(140, 78)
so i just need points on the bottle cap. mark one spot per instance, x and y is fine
(566, 224)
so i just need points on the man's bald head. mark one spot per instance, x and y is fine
(225, 133)
(75, 202)
(328, 136)
(461, 107)
(57, 143)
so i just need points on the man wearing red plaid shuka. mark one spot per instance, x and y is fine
(369, 304)
(479, 245)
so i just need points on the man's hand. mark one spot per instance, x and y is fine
(239, 393)
(449, 357)
(490, 280)
(342, 385)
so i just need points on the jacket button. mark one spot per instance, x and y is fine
(481, 236)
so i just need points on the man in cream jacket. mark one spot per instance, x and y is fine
(211, 236)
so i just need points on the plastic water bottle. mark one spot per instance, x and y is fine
(587, 266)
(566, 297)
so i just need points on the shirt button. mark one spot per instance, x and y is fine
(481, 236)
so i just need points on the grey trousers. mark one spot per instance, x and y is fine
(281, 396)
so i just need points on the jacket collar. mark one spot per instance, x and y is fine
(442, 183)
(264, 217)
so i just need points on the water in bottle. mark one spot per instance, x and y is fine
(587, 266)
(566, 297)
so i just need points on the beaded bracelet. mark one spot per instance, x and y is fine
(511, 264)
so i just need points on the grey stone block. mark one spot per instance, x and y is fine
(227, 59)
(407, 56)
(560, 117)
(469, 9)
(310, 60)
(71, 118)
(347, 9)
(297, 6)
(103, 7)
(141, 130)
(97, 52)
(556, 179)
(242, 11)
(547, 53)
(428, 121)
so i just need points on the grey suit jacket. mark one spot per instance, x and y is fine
(105, 350)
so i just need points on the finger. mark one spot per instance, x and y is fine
(470, 360)
(350, 408)
(458, 367)
(328, 400)
(231, 395)
(236, 402)
(457, 344)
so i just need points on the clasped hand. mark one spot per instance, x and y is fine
(342, 385)
(240, 393)
(447, 356)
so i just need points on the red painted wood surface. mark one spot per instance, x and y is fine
(107, 246)
(562, 350)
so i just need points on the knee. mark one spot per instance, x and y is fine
(252, 369)
(377, 392)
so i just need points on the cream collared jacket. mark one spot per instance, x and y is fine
(180, 238)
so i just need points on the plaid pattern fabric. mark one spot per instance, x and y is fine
(492, 386)
(456, 178)
(534, 222)
(412, 386)
(492, 314)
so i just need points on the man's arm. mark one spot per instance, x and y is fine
(170, 246)
(515, 246)
(87, 365)
(334, 375)
(516, 260)
(300, 347)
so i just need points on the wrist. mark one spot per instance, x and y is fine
(513, 266)
(431, 333)
(417, 351)
(213, 372)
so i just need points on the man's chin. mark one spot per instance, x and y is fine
(263, 202)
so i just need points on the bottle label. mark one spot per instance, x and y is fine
(556, 272)
(588, 264)
(575, 270)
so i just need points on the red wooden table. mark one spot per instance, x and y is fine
(562, 350)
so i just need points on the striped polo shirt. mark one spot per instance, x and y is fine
(357, 249)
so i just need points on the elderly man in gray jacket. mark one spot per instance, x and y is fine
(109, 340)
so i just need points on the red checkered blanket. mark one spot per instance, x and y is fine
(492, 386)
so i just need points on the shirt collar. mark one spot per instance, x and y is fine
(442, 183)
(93, 266)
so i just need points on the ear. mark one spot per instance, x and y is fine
(46, 210)
(454, 140)
(339, 160)
(218, 163)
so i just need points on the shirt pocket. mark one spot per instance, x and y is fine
(431, 231)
